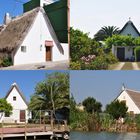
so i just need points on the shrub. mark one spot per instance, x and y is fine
(99, 63)
(5, 62)
(137, 53)
(75, 65)
(111, 59)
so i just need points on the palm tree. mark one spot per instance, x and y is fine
(105, 32)
(51, 94)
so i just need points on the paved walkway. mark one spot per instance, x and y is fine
(126, 66)
(60, 65)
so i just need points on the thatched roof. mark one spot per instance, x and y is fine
(135, 96)
(14, 33)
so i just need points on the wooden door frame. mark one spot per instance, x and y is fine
(48, 44)
(24, 116)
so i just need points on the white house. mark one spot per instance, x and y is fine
(131, 98)
(30, 38)
(20, 113)
(126, 52)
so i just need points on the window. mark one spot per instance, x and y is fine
(7, 114)
(124, 101)
(23, 48)
(14, 98)
(40, 47)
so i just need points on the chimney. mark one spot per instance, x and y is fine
(123, 87)
(14, 84)
(7, 19)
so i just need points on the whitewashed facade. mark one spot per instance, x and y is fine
(130, 97)
(124, 53)
(128, 53)
(34, 45)
(20, 112)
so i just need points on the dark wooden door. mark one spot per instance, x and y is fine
(22, 116)
(121, 54)
(48, 53)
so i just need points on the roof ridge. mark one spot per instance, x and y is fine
(133, 90)
(26, 14)
(19, 91)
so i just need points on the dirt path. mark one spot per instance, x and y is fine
(125, 66)
(135, 66)
(118, 66)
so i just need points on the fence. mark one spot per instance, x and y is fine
(32, 122)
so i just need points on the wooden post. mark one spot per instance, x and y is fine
(44, 123)
(65, 125)
(25, 130)
(40, 118)
(2, 125)
(68, 19)
(52, 120)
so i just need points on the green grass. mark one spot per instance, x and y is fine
(127, 66)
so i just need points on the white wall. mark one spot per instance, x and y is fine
(130, 30)
(33, 41)
(17, 105)
(128, 51)
(129, 102)
(57, 56)
(37, 36)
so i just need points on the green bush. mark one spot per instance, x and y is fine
(75, 65)
(6, 62)
(111, 59)
(137, 53)
(99, 63)
(121, 40)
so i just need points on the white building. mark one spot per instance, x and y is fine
(30, 38)
(131, 98)
(20, 112)
(126, 52)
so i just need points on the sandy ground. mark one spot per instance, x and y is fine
(60, 65)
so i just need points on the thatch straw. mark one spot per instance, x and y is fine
(14, 33)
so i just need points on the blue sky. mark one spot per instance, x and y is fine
(104, 86)
(11, 6)
(91, 15)
(26, 80)
(14, 7)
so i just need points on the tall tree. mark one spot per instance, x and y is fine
(105, 32)
(52, 93)
(91, 105)
(5, 107)
(117, 109)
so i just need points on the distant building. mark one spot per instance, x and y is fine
(126, 52)
(80, 107)
(20, 113)
(131, 98)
